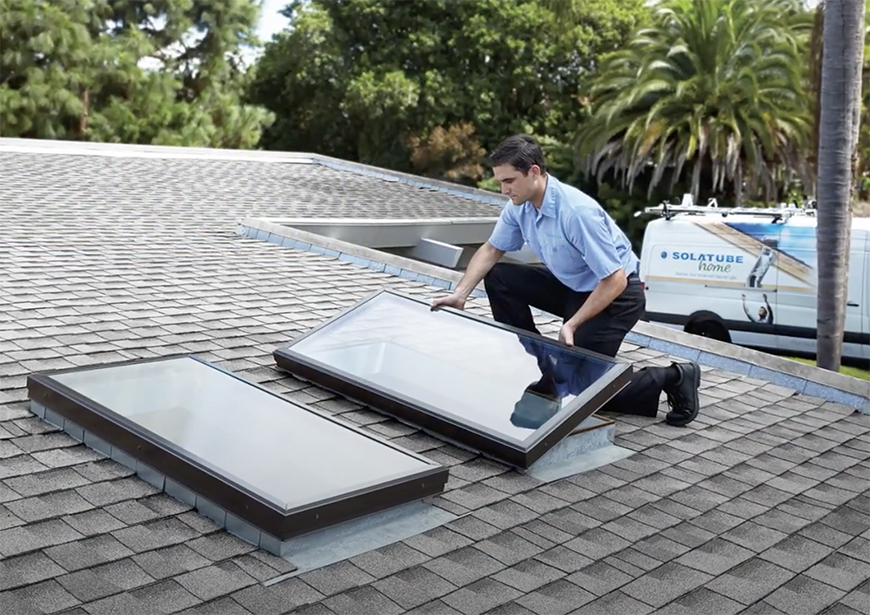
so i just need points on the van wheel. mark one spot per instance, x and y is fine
(709, 328)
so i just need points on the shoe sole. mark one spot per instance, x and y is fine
(696, 402)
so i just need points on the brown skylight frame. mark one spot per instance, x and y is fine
(428, 418)
(194, 474)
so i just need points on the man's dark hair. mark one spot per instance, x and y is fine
(519, 151)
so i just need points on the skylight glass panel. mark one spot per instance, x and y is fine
(506, 392)
(247, 447)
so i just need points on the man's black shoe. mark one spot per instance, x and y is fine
(683, 395)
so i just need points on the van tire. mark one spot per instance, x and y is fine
(709, 328)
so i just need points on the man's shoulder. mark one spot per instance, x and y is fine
(571, 200)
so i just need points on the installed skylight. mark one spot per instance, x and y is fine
(461, 377)
(285, 469)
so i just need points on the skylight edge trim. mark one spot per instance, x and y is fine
(192, 473)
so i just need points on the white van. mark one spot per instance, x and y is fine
(748, 276)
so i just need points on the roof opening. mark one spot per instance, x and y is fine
(446, 242)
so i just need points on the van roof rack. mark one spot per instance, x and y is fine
(687, 206)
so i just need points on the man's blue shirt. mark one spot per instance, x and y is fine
(572, 235)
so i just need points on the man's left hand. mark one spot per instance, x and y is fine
(566, 334)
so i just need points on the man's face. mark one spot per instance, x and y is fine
(514, 184)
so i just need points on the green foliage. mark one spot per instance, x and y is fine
(716, 88)
(130, 71)
(372, 80)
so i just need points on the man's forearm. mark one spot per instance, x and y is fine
(603, 295)
(480, 264)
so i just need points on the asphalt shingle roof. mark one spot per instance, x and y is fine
(760, 506)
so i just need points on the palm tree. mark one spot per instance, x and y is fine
(714, 86)
(840, 99)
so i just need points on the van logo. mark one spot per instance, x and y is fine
(664, 254)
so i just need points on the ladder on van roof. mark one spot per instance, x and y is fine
(687, 206)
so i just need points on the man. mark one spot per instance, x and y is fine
(589, 277)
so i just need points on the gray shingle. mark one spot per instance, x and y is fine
(509, 547)
(46, 597)
(35, 536)
(155, 534)
(481, 596)
(717, 521)
(7, 519)
(859, 598)
(81, 554)
(601, 508)
(44, 482)
(220, 546)
(858, 548)
(715, 557)
(389, 559)
(660, 548)
(751, 581)
(170, 561)
(754, 536)
(569, 520)
(597, 543)
(825, 534)
(665, 583)
(473, 528)
(438, 541)
(47, 506)
(804, 596)
(362, 600)
(699, 498)
(615, 603)
(780, 520)
(106, 580)
(26, 570)
(629, 529)
(845, 519)
(105, 470)
(636, 559)
(464, 566)
(796, 553)
(745, 509)
(841, 571)
(213, 581)
(336, 578)
(93, 522)
(223, 606)
(414, 587)
(110, 492)
(278, 598)
(701, 601)
(557, 598)
(436, 607)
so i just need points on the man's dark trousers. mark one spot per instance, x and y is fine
(513, 288)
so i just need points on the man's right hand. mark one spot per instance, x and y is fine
(455, 301)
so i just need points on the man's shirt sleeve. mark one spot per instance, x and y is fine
(590, 233)
(507, 235)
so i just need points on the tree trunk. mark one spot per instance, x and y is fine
(83, 118)
(842, 56)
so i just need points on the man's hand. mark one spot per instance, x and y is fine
(566, 333)
(455, 301)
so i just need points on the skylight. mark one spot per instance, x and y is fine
(463, 378)
(285, 469)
